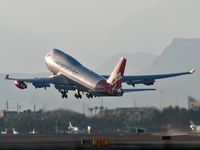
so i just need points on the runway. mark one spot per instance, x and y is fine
(101, 141)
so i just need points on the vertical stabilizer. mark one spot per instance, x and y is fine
(70, 125)
(117, 74)
(192, 125)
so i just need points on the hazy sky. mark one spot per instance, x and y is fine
(90, 30)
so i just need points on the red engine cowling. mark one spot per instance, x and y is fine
(20, 84)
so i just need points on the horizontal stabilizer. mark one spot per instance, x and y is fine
(136, 90)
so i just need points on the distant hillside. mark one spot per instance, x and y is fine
(152, 29)
(180, 55)
(135, 62)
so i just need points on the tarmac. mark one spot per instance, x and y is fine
(102, 141)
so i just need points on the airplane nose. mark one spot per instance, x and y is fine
(48, 57)
(51, 54)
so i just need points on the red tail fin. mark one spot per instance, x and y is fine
(117, 74)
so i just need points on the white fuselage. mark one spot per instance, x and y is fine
(14, 132)
(195, 127)
(4, 132)
(72, 129)
(60, 63)
(32, 132)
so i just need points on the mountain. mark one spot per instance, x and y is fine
(154, 28)
(180, 55)
(135, 62)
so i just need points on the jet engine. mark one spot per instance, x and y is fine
(20, 84)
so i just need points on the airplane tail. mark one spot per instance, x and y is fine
(116, 76)
(191, 123)
(70, 125)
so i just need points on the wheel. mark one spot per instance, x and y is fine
(62, 91)
(90, 96)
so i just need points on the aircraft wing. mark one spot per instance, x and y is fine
(59, 81)
(150, 79)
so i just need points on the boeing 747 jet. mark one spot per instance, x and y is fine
(69, 74)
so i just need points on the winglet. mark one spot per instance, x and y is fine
(192, 71)
(7, 76)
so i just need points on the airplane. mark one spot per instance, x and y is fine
(69, 74)
(72, 129)
(4, 132)
(32, 132)
(88, 129)
(14, 132)
(194, 127)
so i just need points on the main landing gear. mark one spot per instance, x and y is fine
(88, 95)
(64, 93)
(78, 95)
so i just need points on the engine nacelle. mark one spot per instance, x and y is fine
(20, 84)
